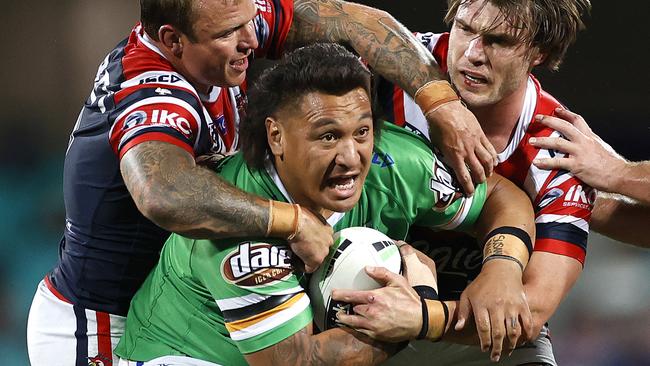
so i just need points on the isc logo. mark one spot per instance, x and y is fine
(164, 78)
(256, 264)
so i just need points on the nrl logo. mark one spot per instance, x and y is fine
(256, 264)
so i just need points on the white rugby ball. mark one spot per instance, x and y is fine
(354, 248)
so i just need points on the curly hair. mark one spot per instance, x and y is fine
(323, 67)
(550, 25)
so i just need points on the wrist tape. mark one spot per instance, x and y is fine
(508, 242)
(434, 94)
(284, 220)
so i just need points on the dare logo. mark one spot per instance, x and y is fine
(256, 264)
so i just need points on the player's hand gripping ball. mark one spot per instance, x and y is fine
(354, 248)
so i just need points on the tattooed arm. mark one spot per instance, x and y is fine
(333, 347)
(394, 53)
(177, 195)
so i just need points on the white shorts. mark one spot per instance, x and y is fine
(446, 354)
(71, 335)
(169, 361)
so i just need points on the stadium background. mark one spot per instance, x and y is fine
(49, 59)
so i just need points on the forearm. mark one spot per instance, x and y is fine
(333, 347)
(177, 195)
(548, 278)
(622, 219)
(389, 48)
(634, 181)
(505, 205)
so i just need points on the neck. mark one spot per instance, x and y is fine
(287, 189)
(498, 120)
(178, 67)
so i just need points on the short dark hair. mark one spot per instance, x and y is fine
(550, 25)
(321, 67)
(178, 13)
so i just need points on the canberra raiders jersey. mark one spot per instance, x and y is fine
(108, 246)
(562, 203)
(218, 300)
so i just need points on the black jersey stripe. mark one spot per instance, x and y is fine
(257, 308)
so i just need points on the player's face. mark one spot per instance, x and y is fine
(224, 38)
(326, 149)
(487, 68)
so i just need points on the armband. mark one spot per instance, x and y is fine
(509, 243)
(434, 94)
(284, 220)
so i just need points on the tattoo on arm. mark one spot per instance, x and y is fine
(384, 43)
(179, 196)
(327, 348)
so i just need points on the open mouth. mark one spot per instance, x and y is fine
(343, 186)
(240, 65)
(473, 78)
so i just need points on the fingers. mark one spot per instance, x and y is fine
(464, 309)
(462, 174)
(353, 296)
(482, 319)
(487, 155)
(476, 169)
(386, 277)
(513, 331)
(487, 145)
(527, 325)
(554, 143)
(498, 330)
(575, 119)
(554, 163)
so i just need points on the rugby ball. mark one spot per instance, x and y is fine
(354, 248)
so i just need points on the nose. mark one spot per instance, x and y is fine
(247, 37)
(475, 53)
(347, 153)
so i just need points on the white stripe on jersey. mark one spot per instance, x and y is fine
(251, 299)
(559, 180)
(144, 38)
(534, 182)
(564, 219)
(272, 321)
(181, 82)
(460, 216)
(526, 116)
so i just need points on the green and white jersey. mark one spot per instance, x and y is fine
(218, 300)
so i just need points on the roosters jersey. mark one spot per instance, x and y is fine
(562, 203)
(108, 246)
(239, 296)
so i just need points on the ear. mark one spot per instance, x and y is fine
(170, 38)
(537, 59)
(274, 137)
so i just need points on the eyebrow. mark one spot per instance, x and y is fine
(489, 33)
(327, 121)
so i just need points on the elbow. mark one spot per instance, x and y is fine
(158, 210)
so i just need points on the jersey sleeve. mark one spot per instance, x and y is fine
(155, 113)
(563, 208)
(262, 300)
(272, 24)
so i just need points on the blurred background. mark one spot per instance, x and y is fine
(50, 55)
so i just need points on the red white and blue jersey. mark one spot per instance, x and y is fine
(562, 203)
(109, 247)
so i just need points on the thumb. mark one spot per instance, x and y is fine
(384, 276)
(464, 310)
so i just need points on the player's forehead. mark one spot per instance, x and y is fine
(485, 17)
(218, 15)
(319, 108)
